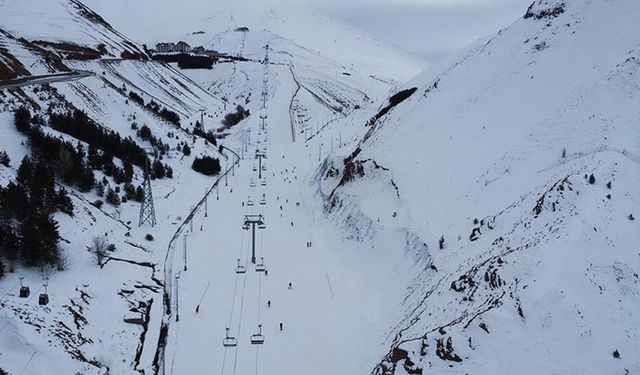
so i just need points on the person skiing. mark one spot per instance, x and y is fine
(269, 303)
(290, 285)
(266, 272)
(280, 326)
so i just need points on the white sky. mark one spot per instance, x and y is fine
(431, 29)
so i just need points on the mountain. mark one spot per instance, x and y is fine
(303, 22)
(511, 168)
(59, 58)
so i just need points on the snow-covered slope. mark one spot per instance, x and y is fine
(298, 21)
(83, 328)
(67, 27)
(494, 152)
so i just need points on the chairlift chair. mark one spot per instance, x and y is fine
(262, 226)
(240, 268)
(263, 182)
(258, 338)
(255, 168)
(263, 200)
(252, 184)
(229, 341)
(260, 267)
(24, 290)
(43, 298)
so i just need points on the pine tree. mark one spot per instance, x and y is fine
(112, 197)
(100, 189)
(4, 158)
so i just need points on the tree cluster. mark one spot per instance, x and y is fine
(163, 112)
(69, 161)
(206, 165)
(78, 125)
(209, 136)
(28, 230)
(233, 118)
(145, 133)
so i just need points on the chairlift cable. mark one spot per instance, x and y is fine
(28, 300)
(244, 285)
(10, 289)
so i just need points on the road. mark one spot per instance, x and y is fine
(47, 78)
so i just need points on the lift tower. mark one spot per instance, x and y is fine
(147, 210)
(259, 156)
(250, 221)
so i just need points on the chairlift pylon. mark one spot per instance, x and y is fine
(240, 268)
(258, 338)
(229, 341)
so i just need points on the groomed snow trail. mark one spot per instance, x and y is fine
(330, 326)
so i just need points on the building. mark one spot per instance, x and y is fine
(199, 49)
(165, 47)
(182, 47)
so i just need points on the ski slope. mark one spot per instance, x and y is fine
(324, 328)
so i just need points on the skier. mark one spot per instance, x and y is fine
(269, 303)
(266, 272)
(292, 224)
(280, 326)
(290, 285)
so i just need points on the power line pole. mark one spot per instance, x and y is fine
(250, 221)
(147, 210)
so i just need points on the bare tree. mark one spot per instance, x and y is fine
(64, 260)
(100, 248)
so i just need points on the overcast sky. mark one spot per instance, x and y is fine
(432, 29)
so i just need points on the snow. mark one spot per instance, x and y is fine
(544, 281)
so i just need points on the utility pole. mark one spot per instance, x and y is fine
(206, 210)
(184, 251)
(250, 221)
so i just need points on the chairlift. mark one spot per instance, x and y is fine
(43, 298)
(249, 203)
(263, 200)
(240, 268)
(24, 290)
(255, 168)
(263, 183)
(260, 267)
(258, 338)
(229, 341)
